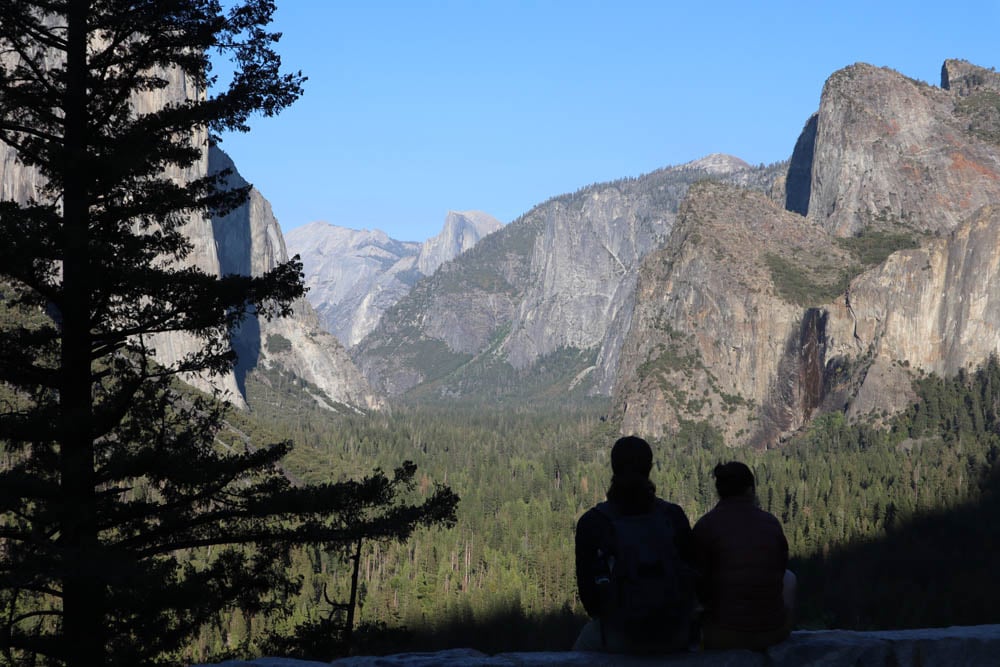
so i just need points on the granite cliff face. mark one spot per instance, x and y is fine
(755, 319)
(354, 276)
(551, 293)
(250, 243)
(247, 241)
(713, 336)
(19, 183)
(892, 151)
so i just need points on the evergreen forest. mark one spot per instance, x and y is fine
(889, 520)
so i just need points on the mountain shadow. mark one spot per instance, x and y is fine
(936, 570)
(503, 630)
(799, 184)
(933, 571)
(234, 246)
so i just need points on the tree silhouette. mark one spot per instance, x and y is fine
(126, 519)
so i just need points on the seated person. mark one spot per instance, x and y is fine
(742, 555)
(632, 555)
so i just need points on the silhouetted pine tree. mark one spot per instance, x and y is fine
(124, 523)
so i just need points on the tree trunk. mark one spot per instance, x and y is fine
(349, 629)
(83, 594)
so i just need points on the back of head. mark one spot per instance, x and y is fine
(631, 455)
(733, 479)
(631, 462)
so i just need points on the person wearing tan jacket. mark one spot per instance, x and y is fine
(742, 557)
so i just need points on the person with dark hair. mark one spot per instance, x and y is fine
(742, 555)
(633, 555)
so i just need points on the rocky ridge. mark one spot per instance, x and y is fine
(461, 231)
(891, 151)
(354, 276)
(551, 293)
(773, 316)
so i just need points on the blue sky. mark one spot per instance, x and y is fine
(416, 108)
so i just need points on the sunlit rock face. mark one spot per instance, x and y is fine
(718, 334)
(892, 151)
(462, 230)
(551, 292)
(354, 276)
(713, 338)
(250, 242)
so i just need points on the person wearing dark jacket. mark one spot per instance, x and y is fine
(742, 555)
(631, 494)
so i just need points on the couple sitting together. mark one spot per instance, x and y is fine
(644, 575)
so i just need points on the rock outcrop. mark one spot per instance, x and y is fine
(935, 308)
(354, 276)
(461, 231)
(896, 155)
(892, 151)
(964, 79)
(754, 319)
(972, 646)
(250, 243)
(717, 332)
(553, 288)
(20, 183)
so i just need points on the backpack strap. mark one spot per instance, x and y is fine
(611, 513)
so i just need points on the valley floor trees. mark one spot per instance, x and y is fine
(112, 477)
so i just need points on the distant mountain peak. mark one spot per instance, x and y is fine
(480, 219)
(461, 231)
(354, 275)
(717, 163)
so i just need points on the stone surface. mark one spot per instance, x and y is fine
(718, 164)
(461, 231)
(713, 338)
(250, 243)
(354, 276)
(890, 150)
(936, 308)
(964, 78)
(20, 183)
(559, 279)
(975, 646)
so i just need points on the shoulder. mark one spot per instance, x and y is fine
(705, 523)
(674, 511)
(766, 517)
(669, 507)
(594, 517)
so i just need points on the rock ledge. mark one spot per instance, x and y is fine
(972, 646)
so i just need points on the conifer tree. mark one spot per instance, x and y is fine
(124, 523)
